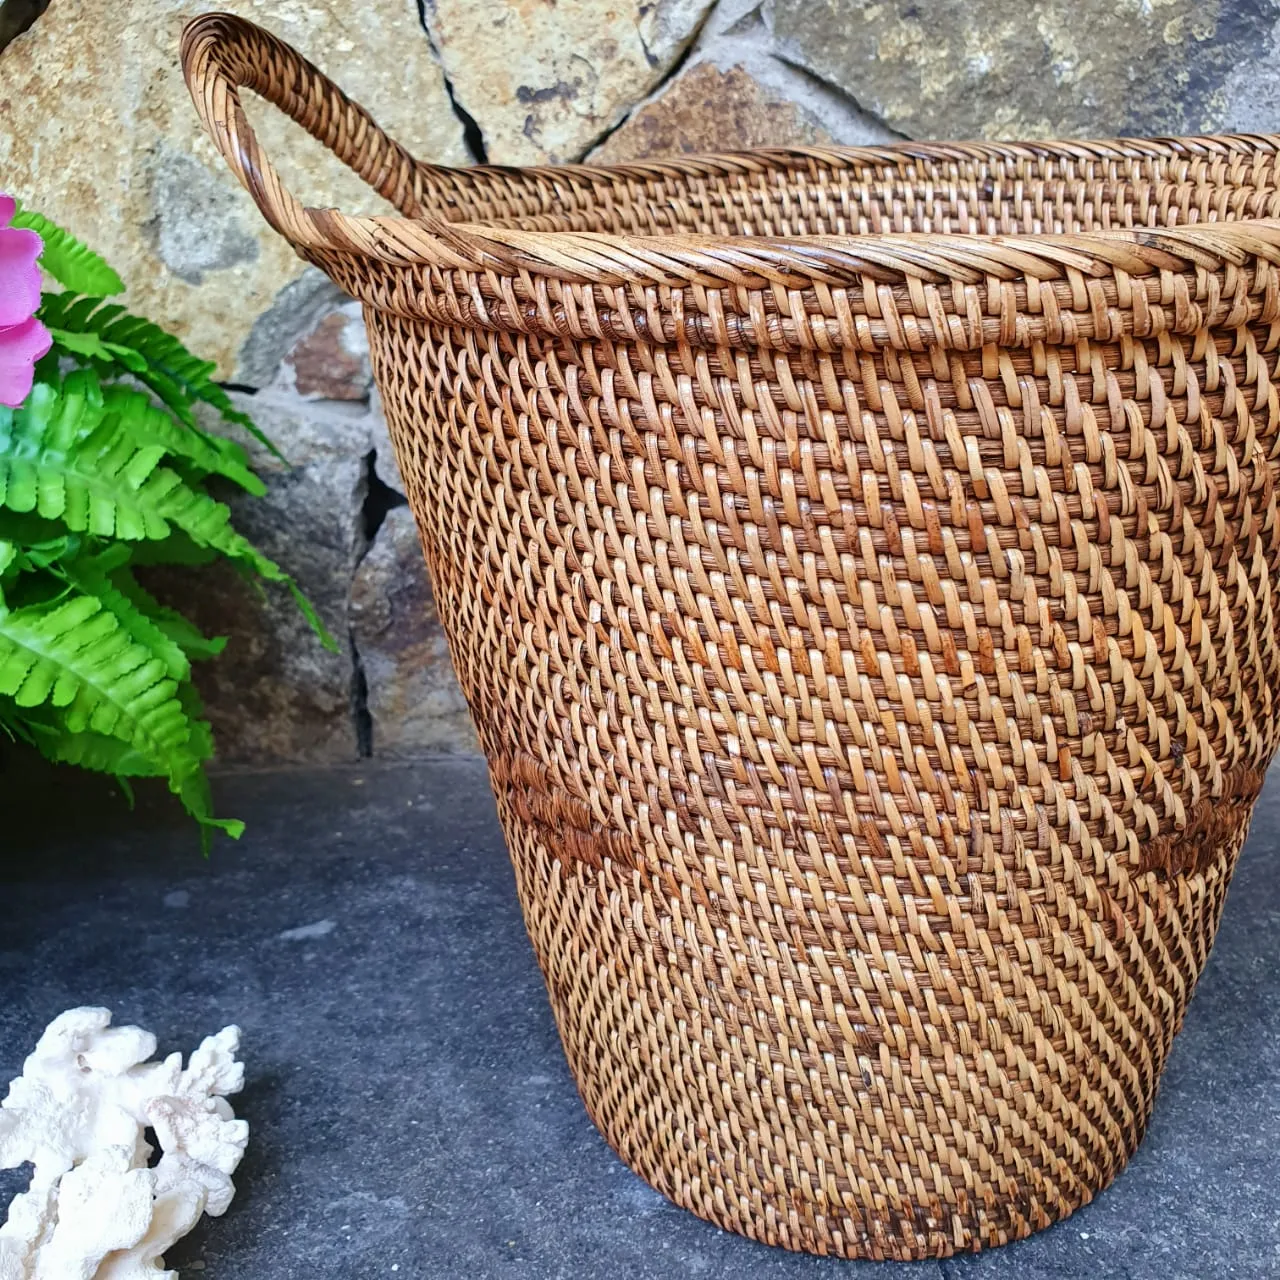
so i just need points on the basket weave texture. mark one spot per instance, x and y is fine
(859, 565)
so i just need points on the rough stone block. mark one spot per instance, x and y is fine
(1003, 69)
(100, 134)
(544, 80)
(413, 699)
(275, 694)
(708, 109)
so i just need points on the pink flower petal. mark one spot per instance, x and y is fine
(19, 275)
(8, 206)
(21, 345)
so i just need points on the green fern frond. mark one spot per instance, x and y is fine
(94, 480)
(89, 458)
(88, 679)
(70, 262)
(61, 458)
(92, 576)
(90, 346)
(73, 454)
(157, 358)
(208, 454)
(74, 654)
(39, 541)
(197, 799)
(211, 454)
(91, 750)
(201, 733)
(185, 634)
(176, 549)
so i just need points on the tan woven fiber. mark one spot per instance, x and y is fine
(859, 566)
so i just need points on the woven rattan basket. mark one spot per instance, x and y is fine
(859, 566)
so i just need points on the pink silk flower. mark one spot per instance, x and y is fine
(23, 339)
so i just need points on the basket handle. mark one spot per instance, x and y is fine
(221, 54)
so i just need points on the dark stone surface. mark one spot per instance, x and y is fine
(1006, 69)
(413, 699)
(332, 361)
(411, 1111)
(708, 109)
(276, 695)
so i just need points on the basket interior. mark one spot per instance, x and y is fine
(970, 190)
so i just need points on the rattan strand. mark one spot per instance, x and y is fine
(859, 566)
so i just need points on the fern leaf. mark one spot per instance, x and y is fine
(210, 454)
(74, 655)
(89, 458)
(182, 632)
(104, 754)
(176, 549)
(41, 541)
(74, 661)
(184, 438)
(73, 454)
(197, 799)
(69, 261)
(177, 377)
(93, 576)
(91, 347)
(201, 733)
(92, 751)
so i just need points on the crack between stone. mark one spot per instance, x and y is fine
(672, 72)
(17, 16)
(838, 92)
(379, 498)
(472, 134)
(361, 717)
(745, 24)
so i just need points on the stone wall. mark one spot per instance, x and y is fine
(98, 132)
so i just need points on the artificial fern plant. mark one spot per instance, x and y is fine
(104, 466)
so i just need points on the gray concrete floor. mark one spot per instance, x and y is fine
(411, 1111)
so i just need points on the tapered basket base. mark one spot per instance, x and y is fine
(725, 1069)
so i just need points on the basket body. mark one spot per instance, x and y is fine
(860, 569)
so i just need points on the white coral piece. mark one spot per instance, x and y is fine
(79, 1111)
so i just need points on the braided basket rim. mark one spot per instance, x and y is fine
(222, 53)
(613, 257)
